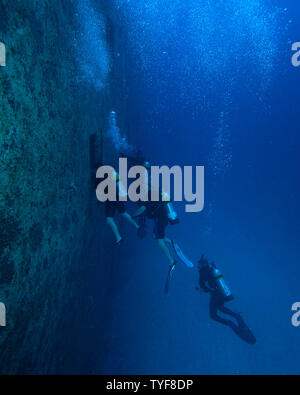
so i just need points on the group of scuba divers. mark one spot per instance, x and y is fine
(162, 213)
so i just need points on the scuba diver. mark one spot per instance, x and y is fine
(212, 281)
(110, 210)
(139, 160)
(162, 213)
(112, 206)
(95, 162)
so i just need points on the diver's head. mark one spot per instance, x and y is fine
(203, 261)
(165, 197)
(147, 164)
(116, 176)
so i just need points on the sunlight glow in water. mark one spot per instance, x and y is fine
(92, 53)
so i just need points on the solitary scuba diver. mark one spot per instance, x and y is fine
(212, 281)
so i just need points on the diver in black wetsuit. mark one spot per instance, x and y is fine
(112, 207)
(212, 281)
(139, 160)
(208, 282)
(158, 212)
(161, 213)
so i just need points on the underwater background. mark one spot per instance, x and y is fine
(198, 82)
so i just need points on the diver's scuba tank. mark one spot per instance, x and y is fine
(221, 285)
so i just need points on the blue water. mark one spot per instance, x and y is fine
(211, 83)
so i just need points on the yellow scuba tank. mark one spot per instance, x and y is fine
(221, 285)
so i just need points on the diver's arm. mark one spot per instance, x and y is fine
(139, 212)
(204, 287)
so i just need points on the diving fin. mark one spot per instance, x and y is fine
(243, 331)
(181, 255)
(170, 272)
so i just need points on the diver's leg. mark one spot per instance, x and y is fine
(162, 243)
(160, 233)
(166, 251)
(122, 210)
(239, 318)
(226, 310)
(110, 210)
(110, 221)
(129, 218)
(214, 306)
